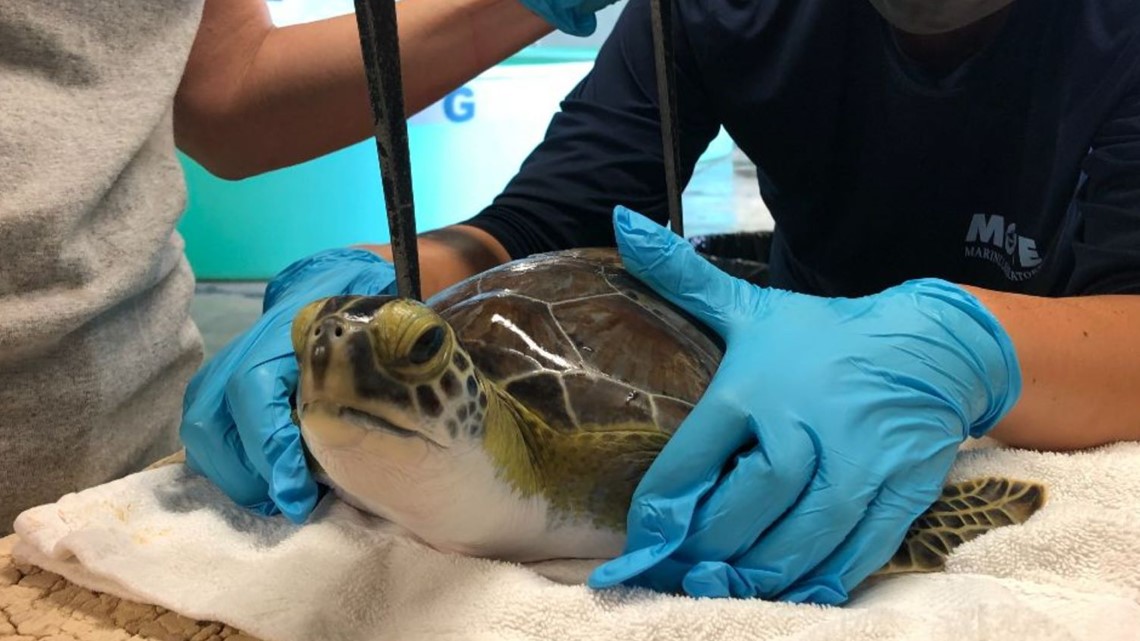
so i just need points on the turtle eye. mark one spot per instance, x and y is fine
(426, 346)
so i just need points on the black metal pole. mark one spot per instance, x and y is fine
(662, 19)
(380, 46)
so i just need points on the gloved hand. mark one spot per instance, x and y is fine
(236, 422)
(575, 17)
(829, 427)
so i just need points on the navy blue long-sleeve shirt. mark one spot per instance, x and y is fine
(1019, 171)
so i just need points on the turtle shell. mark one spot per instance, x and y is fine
(581, 342)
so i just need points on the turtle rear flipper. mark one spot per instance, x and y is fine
(965, 511)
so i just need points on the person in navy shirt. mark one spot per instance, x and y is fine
(1005, 157)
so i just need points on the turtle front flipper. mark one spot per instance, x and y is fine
(965, 511)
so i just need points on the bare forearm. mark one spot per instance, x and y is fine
(1080, 365)
(256, 98)
(450, 255)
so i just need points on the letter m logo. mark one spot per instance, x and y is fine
(986, 229)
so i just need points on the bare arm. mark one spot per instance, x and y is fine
(256, 98)
(1080, 365)
(451, 254)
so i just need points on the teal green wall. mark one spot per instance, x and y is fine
(251, 229)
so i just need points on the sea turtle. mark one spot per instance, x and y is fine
(512, 415)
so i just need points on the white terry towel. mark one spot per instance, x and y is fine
(169, 538)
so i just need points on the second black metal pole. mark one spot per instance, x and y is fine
(662, 19)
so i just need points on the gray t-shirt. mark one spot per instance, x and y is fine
(96, 340)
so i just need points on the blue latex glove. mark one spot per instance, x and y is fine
(575, 17)
(830, 426)
(236, 422)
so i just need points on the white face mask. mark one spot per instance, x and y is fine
(935, 16)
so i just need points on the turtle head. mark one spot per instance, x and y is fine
(396, 418)
(385, 373)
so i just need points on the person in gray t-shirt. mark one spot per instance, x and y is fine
(96, 340)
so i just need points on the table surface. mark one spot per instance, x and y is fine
(42, 606)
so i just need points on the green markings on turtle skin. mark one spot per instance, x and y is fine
(588, 475)
(591, 475)
(508, 440)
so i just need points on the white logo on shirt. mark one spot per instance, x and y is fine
(991, 239)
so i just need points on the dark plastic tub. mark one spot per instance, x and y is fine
(742, 254)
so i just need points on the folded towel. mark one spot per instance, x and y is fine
(169, 538)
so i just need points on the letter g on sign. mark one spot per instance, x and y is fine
(459, 105)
